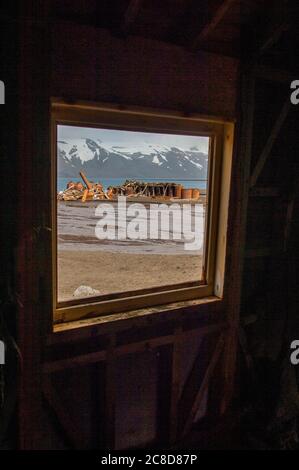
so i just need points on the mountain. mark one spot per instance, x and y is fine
(146, 161)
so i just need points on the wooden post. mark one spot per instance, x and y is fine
(238, 221)
(33, 212)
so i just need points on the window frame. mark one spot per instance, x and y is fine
(87, 114)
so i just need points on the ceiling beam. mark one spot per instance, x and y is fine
(270, 142)
(130, 15)
(273, 37)
(213, 22)
(265, 72)
(273, 24)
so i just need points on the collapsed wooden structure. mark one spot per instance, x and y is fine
(95, 191)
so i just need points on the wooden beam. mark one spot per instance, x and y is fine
(273, 37)
(258, 252)
(164, 396)
(268, 73)
(110, 396)
(209, 27)
(264, 191)
(175, 384)
(138, 347)
(270, 142)
(290, 215)
(204, 385)
(64, 419)
(130, 15)
(194, 380)
(237, 228)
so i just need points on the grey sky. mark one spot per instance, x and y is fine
(133, 139)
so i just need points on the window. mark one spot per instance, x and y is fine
(139, 208)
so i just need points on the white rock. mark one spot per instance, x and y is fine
(85, 291)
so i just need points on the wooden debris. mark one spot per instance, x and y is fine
(130, 188)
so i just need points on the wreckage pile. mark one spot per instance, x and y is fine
(156, 190)
(130, 188)
(89, 191)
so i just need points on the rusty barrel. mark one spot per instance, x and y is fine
(186, 193)
(195, 193)
(178, 191)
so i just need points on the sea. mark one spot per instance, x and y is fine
(106, 182)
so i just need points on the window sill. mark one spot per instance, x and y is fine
(118, 321)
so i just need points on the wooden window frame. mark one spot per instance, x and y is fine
(86, 114)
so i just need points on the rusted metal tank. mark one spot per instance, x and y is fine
(195, 193)
(186, 193)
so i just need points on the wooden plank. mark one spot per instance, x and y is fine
(265, 72)
(237, 231)
(270, 142)
(110, 395)
(209, 27)
(175, 384)
(32, 259)
(258, 252)
(131, 15)
(75, 361)
(264, 191)
(290, 214)
(164, 391)
(97, 390)
(140, 346)
(273, 37)
(194, 381)
(81, 330)
(64, 419)
(204, 385)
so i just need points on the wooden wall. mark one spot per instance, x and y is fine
(124, 383)
(269, 315)
(89, 63)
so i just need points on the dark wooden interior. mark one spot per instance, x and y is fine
(190, 374)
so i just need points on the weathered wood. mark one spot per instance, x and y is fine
(268, 73)
(204, 385)
(217, 17)
(273, 37)
(87, 328)
(85, 180)
(164, 392)
(175, 384)
(32, 259)
(72, 433)
(264, 191)
(258, 252)
(290, 213)
(97, 380)
(131, 15)
(193, 382)
(237, 227)
(98, 356)
(270, 142)
(110, 395)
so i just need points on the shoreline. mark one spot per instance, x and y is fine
(110, 272)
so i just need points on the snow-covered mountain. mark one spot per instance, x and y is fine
(145, 161)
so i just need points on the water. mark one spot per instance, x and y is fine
(200, 184)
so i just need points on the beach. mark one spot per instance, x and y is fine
(111, 266)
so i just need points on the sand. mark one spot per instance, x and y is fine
(111, 266)
(118, 272)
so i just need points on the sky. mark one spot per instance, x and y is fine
(133, 139)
